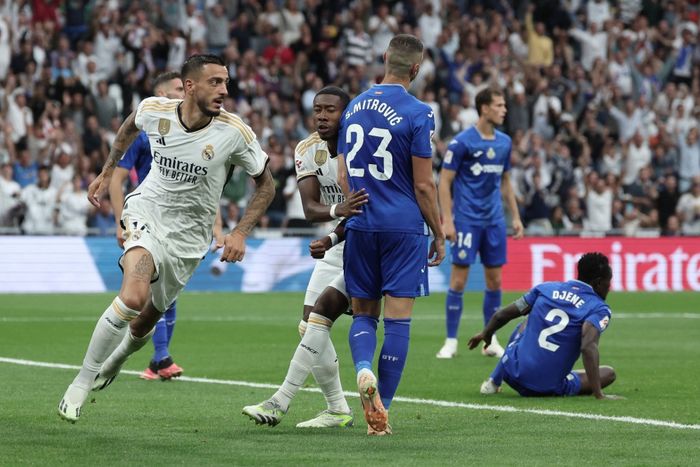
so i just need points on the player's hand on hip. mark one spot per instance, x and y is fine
(448, 226)
(437, 251)
(518, 229)
(352, 204)
(234, 247)
(318, 248)
(97, 188)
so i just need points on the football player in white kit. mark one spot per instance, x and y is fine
(168, 219)
(326, 299)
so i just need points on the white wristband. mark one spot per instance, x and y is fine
(334, 238)
(332, 213)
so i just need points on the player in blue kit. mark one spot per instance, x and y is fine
(473, 179)
(139, 158)
(384, 146)
(564, 320)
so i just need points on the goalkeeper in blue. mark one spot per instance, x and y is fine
(564, 320)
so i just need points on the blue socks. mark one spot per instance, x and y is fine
(363, 341)
(170, 316)
(492, 302)
(163, 333)
(453, 312)
(392, 358)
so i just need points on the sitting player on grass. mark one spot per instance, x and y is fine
(565, 319)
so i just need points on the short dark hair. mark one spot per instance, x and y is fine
(164, 78)
(336, 91)
(403, 52)
(593, 266)
(485, 97)
(194, 64)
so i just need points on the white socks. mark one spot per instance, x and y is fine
(109, 331)
(316, 354)
(129, 345)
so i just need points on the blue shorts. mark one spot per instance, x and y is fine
(385, 263)
(489, 241)
(570, 386)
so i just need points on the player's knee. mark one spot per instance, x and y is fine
(608, 375)
(134, 300)
(457, 284)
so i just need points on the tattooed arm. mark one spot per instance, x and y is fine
(125, 136)
(234, 242)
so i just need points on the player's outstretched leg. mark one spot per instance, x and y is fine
(453, 315)
(109, 331)
(167, 368)
(111, 367)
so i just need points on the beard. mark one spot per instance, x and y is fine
(202, 104)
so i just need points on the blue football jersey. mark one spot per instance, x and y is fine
(381, 130)
(138, 156)
(479, 164)
(551, 342)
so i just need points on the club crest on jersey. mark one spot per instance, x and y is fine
(320, 157)
(208, 152)
(163, 126)
(462, 254)
(490, 153)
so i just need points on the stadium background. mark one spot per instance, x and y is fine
(603, 101)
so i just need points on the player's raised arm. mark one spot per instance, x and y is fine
(125, 136)
(509, 196)
(426, 196)
(502, 317)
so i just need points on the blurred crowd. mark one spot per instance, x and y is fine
(603, 97)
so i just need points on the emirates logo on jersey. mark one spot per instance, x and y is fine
(208, 152)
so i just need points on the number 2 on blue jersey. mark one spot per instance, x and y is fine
(551, 330)
(381, 152)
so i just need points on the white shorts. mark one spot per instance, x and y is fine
(328, 272)
(172, 273)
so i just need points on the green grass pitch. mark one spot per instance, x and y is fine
(652, 342)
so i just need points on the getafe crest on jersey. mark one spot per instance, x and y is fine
(208, 152)
(163, 126)
(320, 157)
(490, 153)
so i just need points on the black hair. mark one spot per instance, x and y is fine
(164, 78)
(593, 266)
(485, 97)
(336, 91)
(194, 64)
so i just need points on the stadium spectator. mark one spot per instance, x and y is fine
(688, 209)
(39, 201)
(73, 208)
(599, 203)
(642, 77)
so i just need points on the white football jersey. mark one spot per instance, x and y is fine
(312, 158)
(181, 193)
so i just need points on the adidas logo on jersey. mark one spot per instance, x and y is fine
(161, 141)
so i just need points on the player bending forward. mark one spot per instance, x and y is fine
(168, 219)
(326, 299)
(565, 319)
